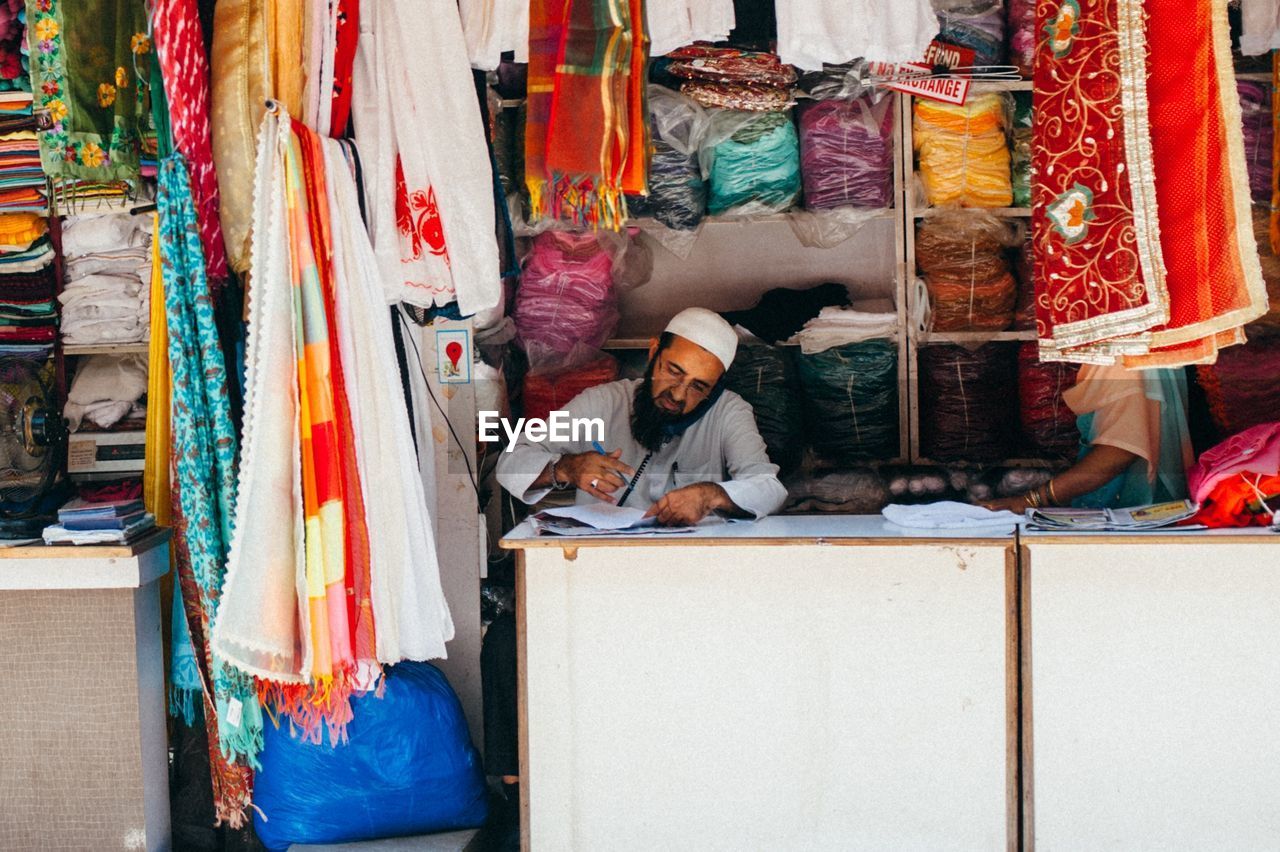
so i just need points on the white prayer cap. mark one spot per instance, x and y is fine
(708, 330)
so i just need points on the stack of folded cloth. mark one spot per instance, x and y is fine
(107, 392)
(733, 79)
(107, 267)
(28, 317)
(22, 181)
(872, 319)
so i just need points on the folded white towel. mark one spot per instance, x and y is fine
(948, 515)
(83, 235)
(105, 388)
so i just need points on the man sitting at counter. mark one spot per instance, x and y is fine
(675, 442)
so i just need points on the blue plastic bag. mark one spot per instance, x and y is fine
(408, 767)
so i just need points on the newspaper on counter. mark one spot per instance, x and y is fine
(1133, 519)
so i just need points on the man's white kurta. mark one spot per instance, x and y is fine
(723, 446)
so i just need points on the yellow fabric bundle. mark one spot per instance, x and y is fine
(963, 152)
(19, 230)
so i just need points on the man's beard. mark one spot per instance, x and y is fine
(648, 419)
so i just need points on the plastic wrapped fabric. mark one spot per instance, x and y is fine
(860, 491)
(1019, 480)
(975, 24)
(1259, 134)
(764, 376)
(1243, 388)
(566, 305)
(1020, 166)
(835, 81)
(781, 312)
(964, 399)
(1048, 423)
(1024, 314)
(962, 259)
(408, 767)
(752, 161)
(963, 153)
(677, 193)
(1022, 35)
(851, 401)
(507, 148)
(919, 484)
(547, 392)
(846, 153)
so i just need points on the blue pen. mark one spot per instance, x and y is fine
(599, 449)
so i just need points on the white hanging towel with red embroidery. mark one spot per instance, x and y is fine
(424, 156)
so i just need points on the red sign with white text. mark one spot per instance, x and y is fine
(914, 79)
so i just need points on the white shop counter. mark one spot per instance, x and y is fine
(1151, 690)
(796, 683)
(83, 750)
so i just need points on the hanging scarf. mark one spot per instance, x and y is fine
(1095, 223)
(347, 14)
(204, 449)
(408, 603)
(1202, 183)
(88, 72)
(422, 143)
(586, 137)
(356, 533)
(185, 66)
(241, 83)
(1274, 230)
(263, 625)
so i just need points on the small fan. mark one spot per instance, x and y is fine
(32, 442)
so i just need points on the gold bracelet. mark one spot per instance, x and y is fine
(1033, 498)
(1053, 498)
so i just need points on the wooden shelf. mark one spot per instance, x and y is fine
(1009, 212)
(108, 349)
(981, 87)
(976, 336)
(1255, 76)
(879, 215)
(626, 343)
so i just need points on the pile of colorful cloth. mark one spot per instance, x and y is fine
(1237, 483)
(107, 269)
(22, 182)
(28, 316)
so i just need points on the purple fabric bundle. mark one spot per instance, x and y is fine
(1255, 104)
(846, 153)
(1022, 35)
(565, 308)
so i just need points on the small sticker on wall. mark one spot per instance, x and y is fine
(453, 356)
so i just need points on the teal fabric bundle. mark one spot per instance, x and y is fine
(753, 163)
(764, 376)
(1021, 160)
(851, 395)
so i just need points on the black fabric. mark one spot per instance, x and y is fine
(498, 684)
(402, 362)
(191, 797)
(780, 312)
